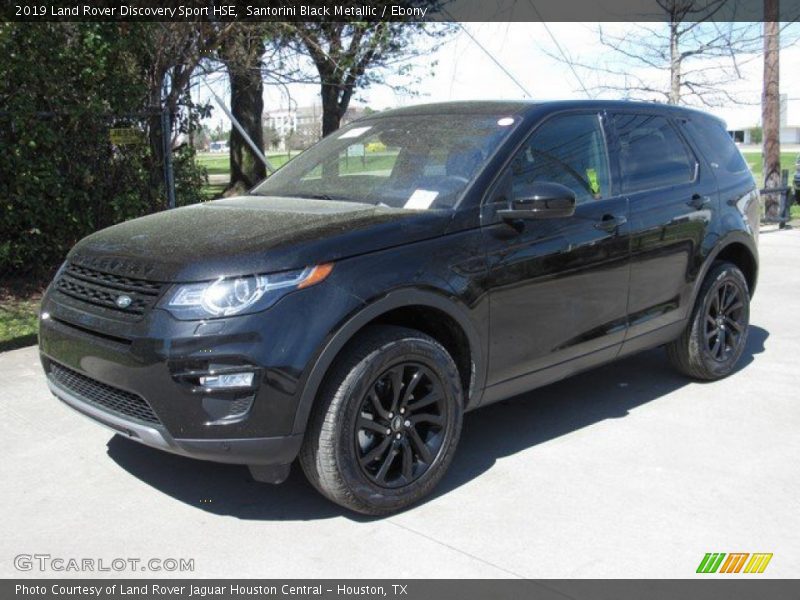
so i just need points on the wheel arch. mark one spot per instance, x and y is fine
(740, 255)
(739, 248)
(430, 312)
(736, 247)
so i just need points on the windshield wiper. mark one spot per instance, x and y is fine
(313, 196)
(301, 195)
(322, 197)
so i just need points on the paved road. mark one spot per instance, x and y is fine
(625, 471)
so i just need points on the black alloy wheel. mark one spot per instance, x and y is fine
(716, 334)
(400, 425)
(724, 325)
(387, 421)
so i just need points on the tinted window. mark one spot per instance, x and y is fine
(716, 145)
(569, 150)
(651, 153)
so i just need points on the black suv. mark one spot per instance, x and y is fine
(414, 265)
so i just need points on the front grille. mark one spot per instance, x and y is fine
(104, 289)
(105, 396)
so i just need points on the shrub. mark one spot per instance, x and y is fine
(62, 87)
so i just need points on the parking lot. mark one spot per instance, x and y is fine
(625, 471)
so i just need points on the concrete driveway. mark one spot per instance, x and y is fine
(624, 471)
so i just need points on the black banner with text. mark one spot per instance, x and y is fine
(411, 589)
(384, 10)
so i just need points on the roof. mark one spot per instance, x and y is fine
(480, 107)
(513, 107)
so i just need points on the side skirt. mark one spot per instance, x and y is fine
(542, 377)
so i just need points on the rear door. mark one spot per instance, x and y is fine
(671, 200)
(720, 156)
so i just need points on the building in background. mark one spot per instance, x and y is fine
(300, 127)
(219, 146)
(745, 128)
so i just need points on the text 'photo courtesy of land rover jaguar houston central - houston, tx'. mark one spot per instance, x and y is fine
(414, 265)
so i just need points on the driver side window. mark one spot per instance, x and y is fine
(568, 149)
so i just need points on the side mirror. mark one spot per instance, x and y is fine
(542, 200)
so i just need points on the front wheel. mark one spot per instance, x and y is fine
(387, 422)
(715, 337)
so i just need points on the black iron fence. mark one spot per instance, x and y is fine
(786, 198)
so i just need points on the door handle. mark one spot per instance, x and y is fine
(699, 202)
(611, 222)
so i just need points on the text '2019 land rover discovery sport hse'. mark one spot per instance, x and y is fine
(412, 266)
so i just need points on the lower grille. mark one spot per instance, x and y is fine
(105, 396)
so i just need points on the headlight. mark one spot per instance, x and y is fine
(237, 295)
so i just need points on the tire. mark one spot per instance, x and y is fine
(714, 340)
(357, 425)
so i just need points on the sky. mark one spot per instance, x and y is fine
(464, 71)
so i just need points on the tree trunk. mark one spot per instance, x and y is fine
(156, 198)
(247, 107)
(331, 115)
(770, 107)
(674, 64)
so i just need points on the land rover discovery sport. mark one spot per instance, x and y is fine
(414, 265)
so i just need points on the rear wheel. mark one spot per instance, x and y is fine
(715, 338)
(387, 422)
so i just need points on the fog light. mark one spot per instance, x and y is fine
(227, 380)
(222, 411)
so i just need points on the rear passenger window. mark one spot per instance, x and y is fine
(716, 145)
(652, 155)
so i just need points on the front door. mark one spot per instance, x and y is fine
(558, 287)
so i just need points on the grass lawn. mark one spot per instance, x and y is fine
(787, 162)
(218, 163)
(19, 308)
(383, 161)
(218, 166)
(213, 190)
(755, 163)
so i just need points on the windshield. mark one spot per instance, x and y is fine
(413, 162)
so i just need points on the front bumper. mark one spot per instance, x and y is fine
(158, 360)
(251, 451)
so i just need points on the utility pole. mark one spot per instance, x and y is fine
(674, 61)
(770, 107)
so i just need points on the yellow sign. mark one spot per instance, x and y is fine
(591, 175)
(126, 136)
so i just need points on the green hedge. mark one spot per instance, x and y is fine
(62, 86)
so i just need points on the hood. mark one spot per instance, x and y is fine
(250, 234)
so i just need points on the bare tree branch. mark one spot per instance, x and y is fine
(691, 58)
